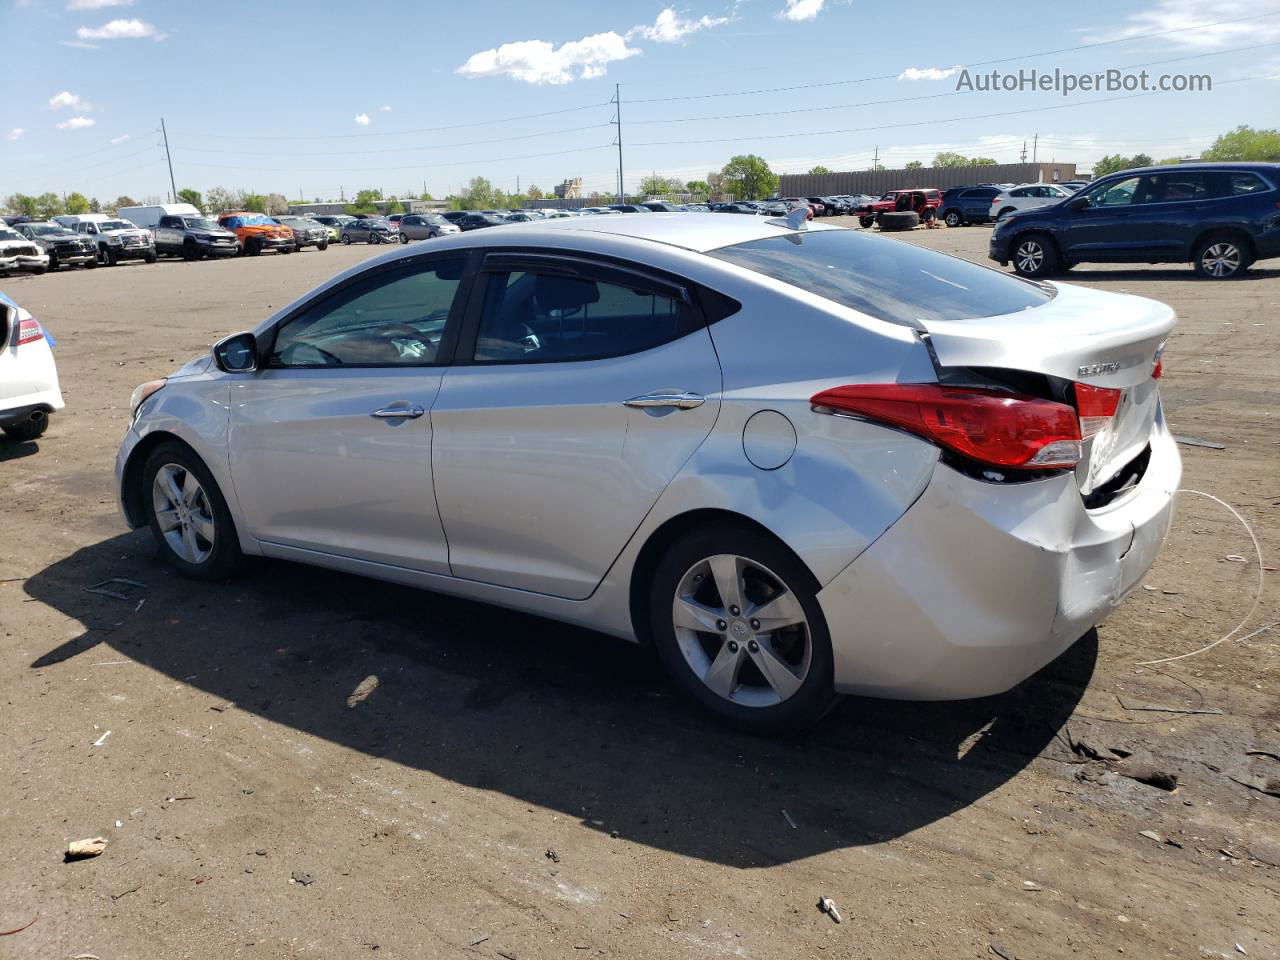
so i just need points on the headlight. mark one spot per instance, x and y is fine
(141, 393)
(114, 240)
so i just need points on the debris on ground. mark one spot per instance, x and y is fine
(790, 823)
(1151, 835)
(1207, 711)
(1000, 950)
(82, 849)
(828, 906)
(100, 588)
(9, 933)
(1198, 442)
(302, 877)
(552, 855)
(362, 691)
(1031, 886)
(102, 739)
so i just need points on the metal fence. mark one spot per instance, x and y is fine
(877, 182)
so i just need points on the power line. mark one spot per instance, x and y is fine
(390, 133)
(980, 63)
(926, 123)
(412, 166)
(437, 146)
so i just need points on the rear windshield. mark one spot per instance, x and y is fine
(887, 279)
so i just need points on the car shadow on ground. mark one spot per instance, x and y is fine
(1094, 273)
(549, 714)
(17, 449)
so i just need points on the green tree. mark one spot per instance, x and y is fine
(394, 206)
(220, 199)
(660, 186)
(949, 159)
(748, 177)
(1111, 163)
(1141, 160)
(23, 204)
(49, 205)
(77, 203)
(1245, 143)
(819, 170)
(913, 165)
(95, 205)
(192, 197)
(698, 188)
(124, 200)
(254, 202)
(277, 204)
(426, 196)
(479, 195)
(364, 201)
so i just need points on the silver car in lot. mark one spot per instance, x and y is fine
(798, 462)
(424, 226)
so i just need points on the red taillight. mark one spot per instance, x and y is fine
(1157, 371)
(990, 426)
(29, 330)
(1096, 406)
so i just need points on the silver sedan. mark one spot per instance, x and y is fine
(424, 226)
(798, 462)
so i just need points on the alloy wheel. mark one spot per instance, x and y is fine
(742, 631)
(184, 513)
(1029, 256)
(1221, 259)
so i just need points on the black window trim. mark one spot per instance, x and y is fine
(448, 339)
(574, 263)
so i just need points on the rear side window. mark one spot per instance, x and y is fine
(1245, 183)
(886, 279)
(1178, 186)
(534, 317)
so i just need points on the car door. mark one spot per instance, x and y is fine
(581, 389)
(169, 235)
(1107, 225)
(330, 443)
(1172, 208)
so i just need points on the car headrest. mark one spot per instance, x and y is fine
(564, 293)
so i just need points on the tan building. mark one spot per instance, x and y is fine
(570, 189)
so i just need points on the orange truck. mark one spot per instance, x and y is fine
(256, 232)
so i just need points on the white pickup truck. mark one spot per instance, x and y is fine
(114, 238)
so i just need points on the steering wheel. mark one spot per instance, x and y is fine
(287, 355)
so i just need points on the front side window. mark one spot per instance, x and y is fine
(885, 279)
(1117, 193)
(391, 318)
(532, 317)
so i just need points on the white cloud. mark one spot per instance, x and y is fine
(16, 133)
(928, 73)
(77, 123)
(540, 62)
(670, 27)
(802, 9)
(362, 119)
(120, 139)
(69, 101)
(384, 109)
(1165, 15)
(79, 44)
(119, 30)
(97, 4)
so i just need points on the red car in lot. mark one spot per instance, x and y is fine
(889, 203)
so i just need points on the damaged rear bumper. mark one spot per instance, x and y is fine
(979, 585)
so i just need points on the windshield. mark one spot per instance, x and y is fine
(7, 234)
(117, 225)
(46, 230)
(887, 279)
(251, 220)
(199, 223)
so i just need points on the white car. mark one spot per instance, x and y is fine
(799, 462)
(29, 389)
(1026, 197)
(21, 253)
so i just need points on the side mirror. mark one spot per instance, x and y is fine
(237, 354)
(1077, 203)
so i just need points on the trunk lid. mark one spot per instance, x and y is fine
(1080, 336)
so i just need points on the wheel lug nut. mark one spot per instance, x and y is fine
(734, 610)
(753, 647)
(721, 625)
(755, 624)
(733, 646)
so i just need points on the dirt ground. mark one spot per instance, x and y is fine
(298, 763)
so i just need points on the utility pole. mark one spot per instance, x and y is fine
(1035, 143)
(1024, 152)
(617, 101)
(169, 157)
(875, 161)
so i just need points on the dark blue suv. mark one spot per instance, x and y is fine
(962, 205)
(1219, 216)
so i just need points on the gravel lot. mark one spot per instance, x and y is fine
(459, 781)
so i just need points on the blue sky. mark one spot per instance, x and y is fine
(310, 98)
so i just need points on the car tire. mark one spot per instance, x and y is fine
(322, 247)
(403, 238)
(110, 258)
(199, 539)
(952, 218)
(374, 238)
(150, 258)
(38, 270)
(190, 252)
(253, 248)
(346, 240)
(1221, 256)
(866, 222)
(27, 430)
(797, 656)
(1034, 255)
(287, 249)
(899, 220)
(53, 264)
(92, 264)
